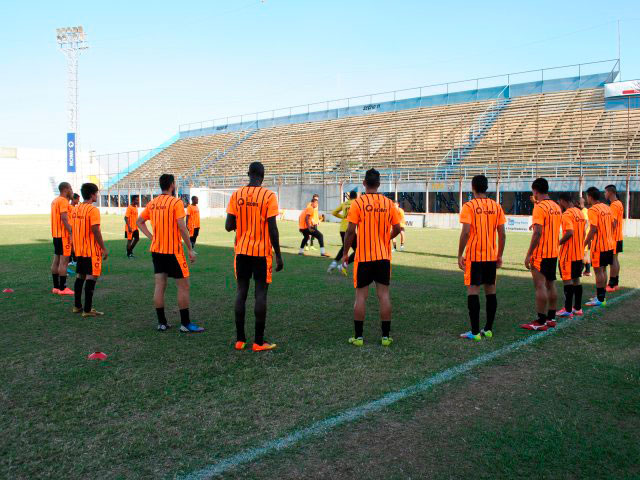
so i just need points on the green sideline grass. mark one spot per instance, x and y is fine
(164, 404)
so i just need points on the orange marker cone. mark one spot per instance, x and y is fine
(97, 356)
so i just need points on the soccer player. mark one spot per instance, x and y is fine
(402, 227)
(481, 218)
(342, 212)
(587, 255)
(62, 237)
(315, 219)
(307, 229)
(252, 213)
(131, 232)
(601, 242)
(542, 256)
(166, 213)
(90, 250)
(376, 221)
(75, 200)
(617, 210)
(571, 255)
(193, 220)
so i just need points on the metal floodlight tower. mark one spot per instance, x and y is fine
(72, 40)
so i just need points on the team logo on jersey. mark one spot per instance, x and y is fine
(369, 208)
(241, 201)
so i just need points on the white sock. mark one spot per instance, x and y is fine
(322, 250)
(302, 250)
(334, 264)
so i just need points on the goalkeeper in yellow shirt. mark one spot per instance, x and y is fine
(341, 212)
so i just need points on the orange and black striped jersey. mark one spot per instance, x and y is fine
(617, 210)
(485, 216)
(193, 212)
(164, 212)
(84, 242)
(302, 219)
(374, 214)
(573, 249)
(71, 213)
(59, 206)
(132, 217)
(600, 216)
(252, 206)
(547, 214)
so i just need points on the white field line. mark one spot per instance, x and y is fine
(360, 411)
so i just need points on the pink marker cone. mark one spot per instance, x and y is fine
(97, 356)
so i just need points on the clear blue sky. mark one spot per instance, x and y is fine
(154, 65)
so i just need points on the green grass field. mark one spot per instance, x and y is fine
(165, 405)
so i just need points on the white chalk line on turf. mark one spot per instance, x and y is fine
(360, 411)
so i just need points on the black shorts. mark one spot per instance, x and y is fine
(135, 235)
(169, 263)
(196, 232)
(57, 246)
(365, 273)
(481, 273)
(247, 266)
(606, 258)
(548, 267)
(618, 246)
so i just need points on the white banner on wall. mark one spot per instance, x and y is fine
(622, 89)
(517, 223)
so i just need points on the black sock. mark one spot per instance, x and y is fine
(62, 281)
(568, 297)
(492, 308)
(56, 280)
(77, 288)
(587, 267)
(260, 312)
(551, 315)
(240, 335)
(473, 304)
(617, 281)
(386, 328)
(184, 317)
(613, 281)
(359, 327)
(577, 296)
(542, 318)
(89, 287)
(601, 293)
(162, 320)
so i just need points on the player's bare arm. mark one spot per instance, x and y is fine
(184, 233)
(65, 221)
(307, 219)
(502, 241)
(348, 241)
(535, 240)
(566, 237)
(395, 230)
(592, 233)
(230, 223)
(100, 241)
(462, 245)
(126, 222)
(274, 235)
(142, 226)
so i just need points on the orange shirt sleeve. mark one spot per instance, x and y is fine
(94, 217)
(567, 222)
(146, 214)
(593, 217)
(179, 210)
(501, 217)
(395, 216)
(466, 214)
(538, 216)
(231, 208)
(272, 207)
(354, 213)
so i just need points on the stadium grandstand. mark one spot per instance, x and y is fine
(428, 143)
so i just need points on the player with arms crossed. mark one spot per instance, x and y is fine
(377, 222)
(571, 255)
(617, 210)
(601, 242)
(542, 256)
(166, 213)
(342, 212)
(131, 232)
(481, 219)
(61, 232)
(90, 250)
(193, 220)
(252, 213)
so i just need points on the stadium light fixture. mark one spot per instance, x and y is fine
(71, 41)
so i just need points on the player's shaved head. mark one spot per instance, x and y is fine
(372, 178)
(256, 169)
(611, 189)
(194, 200)
(353, 194)
(64, 186)
(480, 184)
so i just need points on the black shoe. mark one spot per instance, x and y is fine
(163, 327)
